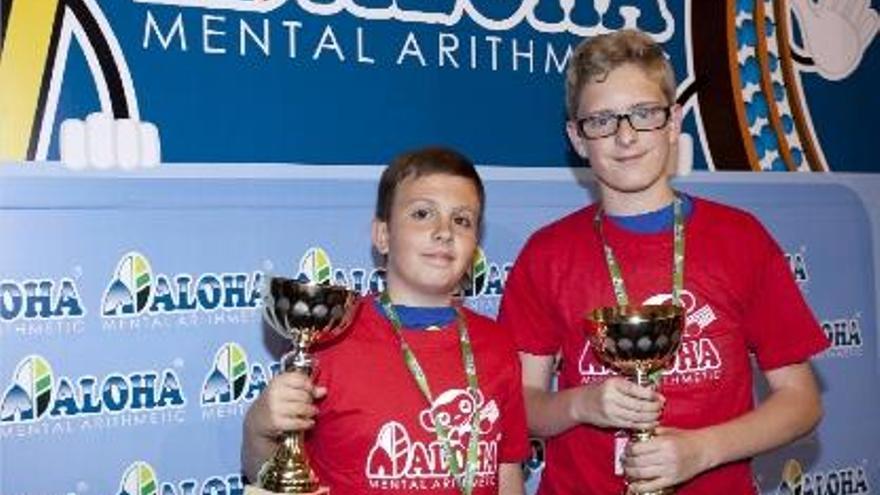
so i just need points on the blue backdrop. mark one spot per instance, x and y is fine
(109, 392)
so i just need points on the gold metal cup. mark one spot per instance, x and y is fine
(308, 315)
(637, 341)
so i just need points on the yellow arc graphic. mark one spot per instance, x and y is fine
(24, 60)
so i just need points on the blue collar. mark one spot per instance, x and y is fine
(653, 222)
(421, 318)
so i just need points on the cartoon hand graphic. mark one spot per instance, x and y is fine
(836, 33)
(104, 143)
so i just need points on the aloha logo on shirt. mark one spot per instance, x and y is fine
(397, 462)
(698, 358)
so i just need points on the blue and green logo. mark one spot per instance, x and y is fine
(139, 479)
(136, 290)
(29, 396)
(484, 278)
(228, 379)
(131, 290)
(36, 393)
(315, 266)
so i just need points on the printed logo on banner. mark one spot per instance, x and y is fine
(845, 336)
(244, 29)
(315, 266)
(484, 283)
(42, 306)
(850, 480)
(138, 298)
(140, 479)
(40, 402)
(797, 262)
(534, 464)
(30, 394)
(232, 383)
(482, 288)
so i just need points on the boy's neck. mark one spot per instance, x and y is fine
(617, 203)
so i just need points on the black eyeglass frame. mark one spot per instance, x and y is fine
(667, 113)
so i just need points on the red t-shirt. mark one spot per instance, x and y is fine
(375, 433)
(741, 300)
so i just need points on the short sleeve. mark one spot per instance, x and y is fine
(779, 326)
(524, 310)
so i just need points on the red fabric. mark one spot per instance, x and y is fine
(374, 433)
(741, 299)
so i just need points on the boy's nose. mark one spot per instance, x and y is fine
(443, 230)
(626, 133)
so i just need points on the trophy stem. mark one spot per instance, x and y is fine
(288, 471)
(642, 378)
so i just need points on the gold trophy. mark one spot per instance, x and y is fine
(308, 315)
(637, 341)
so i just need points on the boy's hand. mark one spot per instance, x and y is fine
(618, 403)
(287, 404)
(670, 458)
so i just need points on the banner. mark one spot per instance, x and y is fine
(765, 85)
(131, 342)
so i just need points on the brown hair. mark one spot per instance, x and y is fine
(422, 162)
(595, 57)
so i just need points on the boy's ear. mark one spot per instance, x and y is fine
(578, 142)
(675, 124)
(380, 236)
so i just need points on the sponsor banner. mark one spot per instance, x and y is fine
(134, 332)
(765, 85)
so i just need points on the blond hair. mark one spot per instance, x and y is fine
(595, 57)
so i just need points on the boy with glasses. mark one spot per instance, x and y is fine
(716, 261)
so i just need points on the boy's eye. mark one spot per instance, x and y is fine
(598, 121)
(642, 113)
(421, 213)
(463, 221)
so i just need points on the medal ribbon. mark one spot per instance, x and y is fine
(466, 485)
(677, 256)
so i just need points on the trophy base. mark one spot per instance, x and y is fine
(255, 490)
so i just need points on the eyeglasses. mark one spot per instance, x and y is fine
(640, 118)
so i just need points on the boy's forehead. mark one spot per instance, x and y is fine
(439, 186)
(622, 86)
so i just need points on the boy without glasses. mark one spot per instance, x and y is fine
(735, 285)
(417, 375)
